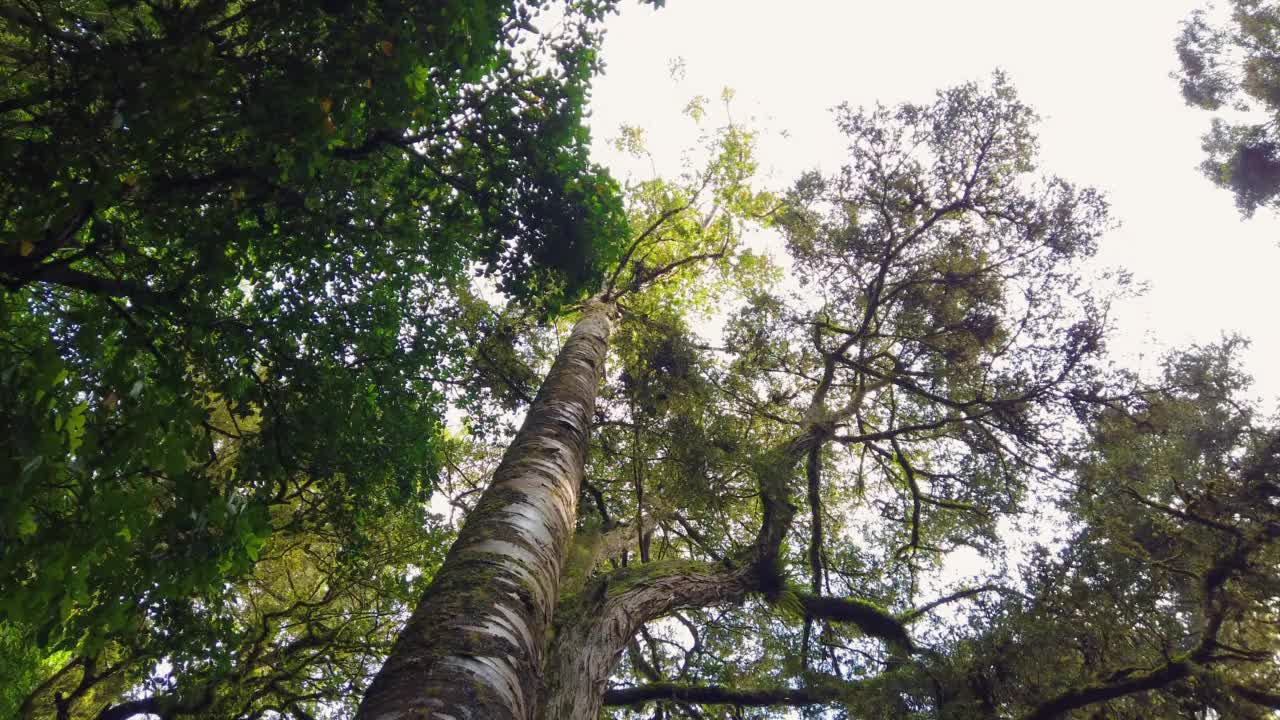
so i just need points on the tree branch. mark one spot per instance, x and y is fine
(1095, 693)
(94, 284)
(813, 473)
(923, 610)
(1257, 696)
(626, 256)
(870, 619)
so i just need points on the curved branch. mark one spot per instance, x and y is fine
(626, 256)
(131, 709)
(56, 274)
(1257, 696)
(671, 267)
(1101, 692)
(870, 619)
(923, 610)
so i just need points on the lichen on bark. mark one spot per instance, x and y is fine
(475, 644)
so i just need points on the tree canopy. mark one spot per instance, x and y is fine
(253, 255)
(1231, 67)
(234, 246)
(928, 387)
(772, 517)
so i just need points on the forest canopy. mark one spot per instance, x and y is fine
(338, 380)
(1230, 66)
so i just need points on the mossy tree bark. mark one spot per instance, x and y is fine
(594, 628)
(594, 625)
(475, 645)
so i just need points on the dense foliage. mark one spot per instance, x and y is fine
(252, 252)
(942, 365)
(1231, 67)
(232, 242)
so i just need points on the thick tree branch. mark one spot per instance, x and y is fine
(1257, 696)
(131, 709)
(1101, 692)
(97, 285)
(813, 473)
(870, 619)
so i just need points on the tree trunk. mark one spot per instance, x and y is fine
(594, 628)
(474, 648)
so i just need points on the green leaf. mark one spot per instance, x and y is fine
(26, 523)
(75, 427)
(175, 457)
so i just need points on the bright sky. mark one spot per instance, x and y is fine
(1096, 70)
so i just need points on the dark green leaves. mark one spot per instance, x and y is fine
(230, 240)
(1233, 65)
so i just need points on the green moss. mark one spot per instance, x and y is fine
(624, 579)
(774, 470)
(584, 553)
(870, 618)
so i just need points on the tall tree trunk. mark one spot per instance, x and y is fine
(475, 646)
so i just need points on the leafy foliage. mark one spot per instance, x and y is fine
(1233, 66)
(801, 489)
(232, 244)
(250, 253)
(300, 632)
(1167, 579)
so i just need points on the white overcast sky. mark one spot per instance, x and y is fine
(1096, 70)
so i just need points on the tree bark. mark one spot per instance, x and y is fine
(475, 646)
(594, 627)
